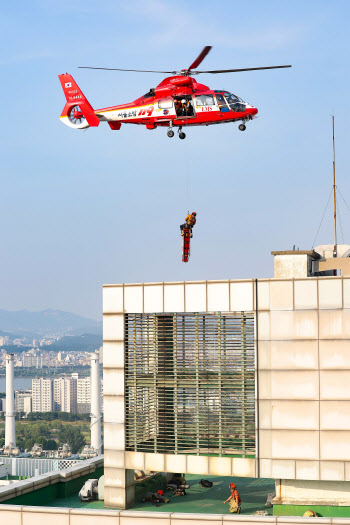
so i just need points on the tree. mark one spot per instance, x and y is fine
(28, 443)
(72, 436)
(51, 444)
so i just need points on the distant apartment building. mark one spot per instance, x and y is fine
(34, 361)
(42, 392)
(84, 395)
(65, 394)
(4, 341)
(23, 401)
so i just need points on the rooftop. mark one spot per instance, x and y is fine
(198, 500)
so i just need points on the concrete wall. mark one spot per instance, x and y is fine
(304, 378)
(296, 265)
(17, 515)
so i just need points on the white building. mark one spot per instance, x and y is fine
(30, 360)
(84, 395)
(23, 401)
(42, 395)
(65, 394)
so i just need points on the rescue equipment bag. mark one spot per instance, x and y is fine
(205, 483)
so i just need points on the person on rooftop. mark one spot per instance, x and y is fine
(234, 499)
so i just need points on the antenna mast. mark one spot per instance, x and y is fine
(335, 208)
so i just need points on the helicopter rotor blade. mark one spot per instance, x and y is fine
(137, 70)
(200, 58)
(238, 70)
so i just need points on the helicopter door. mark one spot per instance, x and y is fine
(221, 102)
(184, 107)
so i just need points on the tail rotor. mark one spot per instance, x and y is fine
(76, 116)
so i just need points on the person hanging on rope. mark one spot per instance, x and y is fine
(190, 221)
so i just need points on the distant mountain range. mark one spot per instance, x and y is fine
(54, 323)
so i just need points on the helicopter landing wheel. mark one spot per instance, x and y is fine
(170, 133)
(242, 127)
(182, 135)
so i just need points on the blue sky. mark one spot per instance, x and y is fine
(79, 209)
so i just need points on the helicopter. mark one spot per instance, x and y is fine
(177, 102)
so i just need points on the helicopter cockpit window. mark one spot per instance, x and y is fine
(204, 100)
(165, 104)
(235, 103)
(231, 99)
(221, 102)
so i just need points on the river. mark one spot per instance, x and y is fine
(21, 383)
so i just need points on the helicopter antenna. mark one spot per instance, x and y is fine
(334, 197)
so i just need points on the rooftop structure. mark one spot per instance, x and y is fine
(312, 263)
(236, 377)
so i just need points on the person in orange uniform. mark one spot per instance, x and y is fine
(190, 221)
(234, 499)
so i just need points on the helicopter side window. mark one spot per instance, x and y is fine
(221, 102)
(165, 104)
(204, 100)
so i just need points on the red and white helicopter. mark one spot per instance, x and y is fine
(177, 101)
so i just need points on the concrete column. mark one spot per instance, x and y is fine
(96, 441)
(10, 431)
(119, 480)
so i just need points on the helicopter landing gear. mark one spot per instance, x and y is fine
(170, 132)
(182, 135)
(242, 127)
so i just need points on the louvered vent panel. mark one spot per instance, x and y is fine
(190, 383)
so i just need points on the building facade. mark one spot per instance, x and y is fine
(42, 395)
(23, 401)
(238, 378)
(34, 361)
(65, 394)
(83, 395)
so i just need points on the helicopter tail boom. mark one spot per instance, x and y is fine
(78, 112)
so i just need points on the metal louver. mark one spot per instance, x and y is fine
(190, 383)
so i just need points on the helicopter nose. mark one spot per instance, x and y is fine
(252, 111)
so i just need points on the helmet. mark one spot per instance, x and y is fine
(183, 101)
(194, 213)
(309, 514)
(232, 486)
(160, 492)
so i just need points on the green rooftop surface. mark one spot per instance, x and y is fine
(253, 493)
